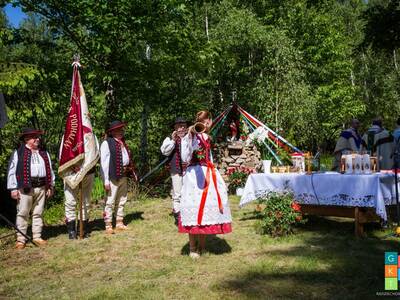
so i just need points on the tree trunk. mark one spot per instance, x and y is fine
(276, 104)
(365, 75)
(352, 78)
(143, 137)
(111, 102)
(206, 25)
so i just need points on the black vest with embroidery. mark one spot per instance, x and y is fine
(23, 173)
(177, 154)
(116, 167)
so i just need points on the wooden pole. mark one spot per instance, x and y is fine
(80, 211)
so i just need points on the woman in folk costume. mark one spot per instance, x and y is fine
(204, 207)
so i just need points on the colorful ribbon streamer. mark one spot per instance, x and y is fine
(210, 171)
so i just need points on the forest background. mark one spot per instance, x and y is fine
(305, 68)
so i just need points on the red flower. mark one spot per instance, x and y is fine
(296, 206)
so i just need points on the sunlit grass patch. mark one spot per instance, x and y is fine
(321, 260)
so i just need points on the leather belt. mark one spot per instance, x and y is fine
(38, 181)
(127, 171)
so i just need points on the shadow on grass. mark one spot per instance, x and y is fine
(95, 225)
(325, 261)
(250, 216)
(8, 206)
(138, 215)
(214, 245)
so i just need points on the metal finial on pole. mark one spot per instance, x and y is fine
(233, 96)
(76, 57)
(76, 60)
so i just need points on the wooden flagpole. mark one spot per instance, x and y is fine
(80, 211)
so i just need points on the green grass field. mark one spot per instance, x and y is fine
(322, 260)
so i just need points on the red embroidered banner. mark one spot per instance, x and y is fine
(79, 147)
(72, 147)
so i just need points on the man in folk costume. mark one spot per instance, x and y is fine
(72, 199)
(171, 147)
(116, 167)
(72, 196)
(31, 181)
(379, 142)
(349, 140)
(204, 207)
(79, 153)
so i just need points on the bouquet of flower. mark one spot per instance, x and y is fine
(200, 153)
(238, 176)
(259, 135)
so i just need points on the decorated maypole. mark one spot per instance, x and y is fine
(79, 150)
(259, 132)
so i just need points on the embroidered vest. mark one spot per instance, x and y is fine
(23, 173)
(202, 155)
(178, 161)
(116, 168)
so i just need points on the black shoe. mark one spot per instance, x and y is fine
(176, 217)
(71, 230)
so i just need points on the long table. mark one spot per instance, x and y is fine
(342, 195)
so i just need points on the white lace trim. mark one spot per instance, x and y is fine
(211, 216)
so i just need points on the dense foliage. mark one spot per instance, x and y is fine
(304, 67)
(237, 177)
(278, 214)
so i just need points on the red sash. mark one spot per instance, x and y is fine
(210, 172)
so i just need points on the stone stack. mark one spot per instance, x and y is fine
(236, 154)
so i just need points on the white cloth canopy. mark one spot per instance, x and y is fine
(331, 188)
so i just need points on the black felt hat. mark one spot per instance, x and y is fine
(115, 125)
(180, 120)
(30, 131)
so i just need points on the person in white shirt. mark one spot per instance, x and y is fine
(379, 142)
(72, 198)
(171, 147)
(30, 180)
(349, 140)
(116, 167)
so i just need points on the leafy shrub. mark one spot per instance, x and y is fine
(238, 176)
(58, 196)
(98, 191)
(54, 214)
(158, 185)
(278, 213)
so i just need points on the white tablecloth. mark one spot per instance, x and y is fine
(375, 190)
